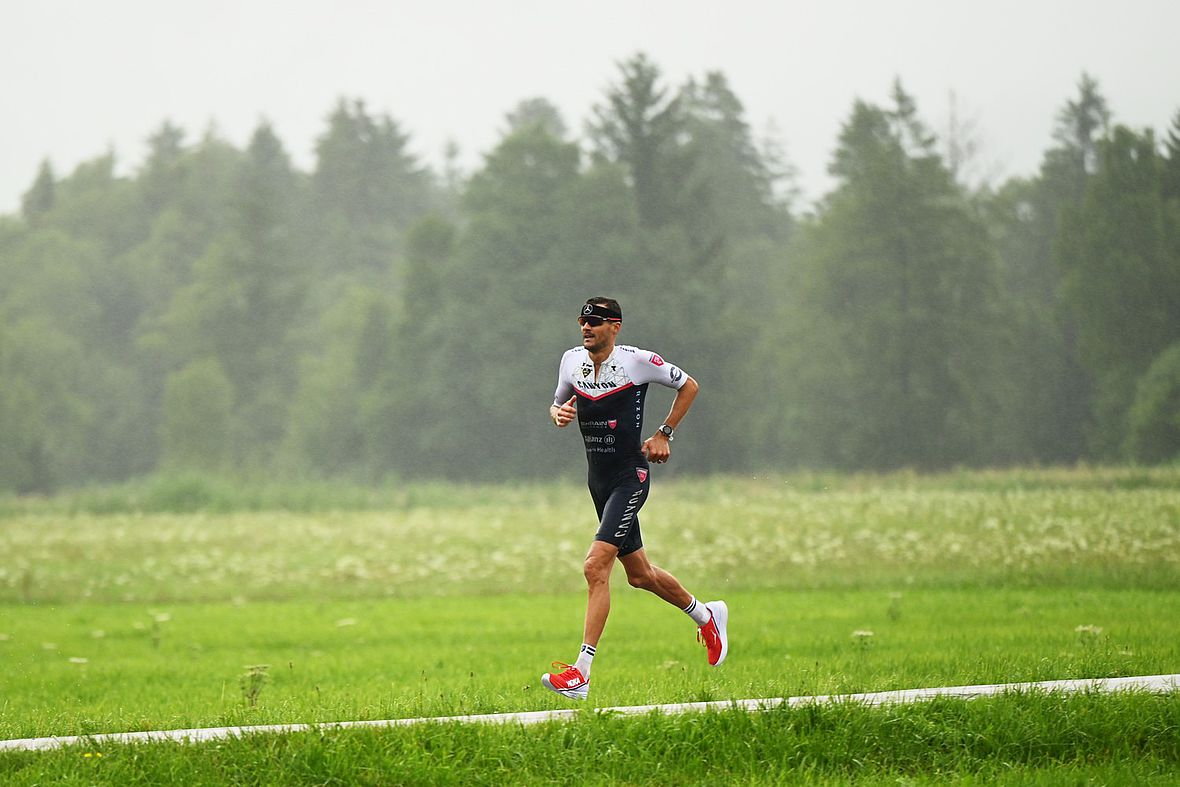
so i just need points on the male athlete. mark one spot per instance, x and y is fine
(603, 385)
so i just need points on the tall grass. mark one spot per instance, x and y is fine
(724, 533)
(183, 493)
(144, 606)
(187, 493)
(1022, 739)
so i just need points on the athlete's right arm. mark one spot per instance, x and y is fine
(562, 411)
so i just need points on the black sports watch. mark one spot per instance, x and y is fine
(667, 431)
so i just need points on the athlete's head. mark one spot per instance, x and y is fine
(598, 309)
(600, 318)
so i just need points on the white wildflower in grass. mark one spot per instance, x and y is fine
(79, 660)
(5, 637)
(345, 622)
(1088, 635)
(863, 638)
(97, 634)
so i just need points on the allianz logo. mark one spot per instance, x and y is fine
(608, 439)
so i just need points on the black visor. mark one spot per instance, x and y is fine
(601, 312)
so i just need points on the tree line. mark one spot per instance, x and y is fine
(222, 311)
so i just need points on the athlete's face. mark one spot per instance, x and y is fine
(597, 333)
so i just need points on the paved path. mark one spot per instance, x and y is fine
(1155, 683)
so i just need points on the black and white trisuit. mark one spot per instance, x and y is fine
(610, 418)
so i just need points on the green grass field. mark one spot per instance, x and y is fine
(117, 614)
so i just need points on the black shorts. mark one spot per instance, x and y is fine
(618, 503)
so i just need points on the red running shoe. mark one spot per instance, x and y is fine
(712, 634)
(569, 683)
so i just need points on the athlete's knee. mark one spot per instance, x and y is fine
(644, 580)
(596, 570)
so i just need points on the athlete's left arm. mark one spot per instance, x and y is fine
(658, 448)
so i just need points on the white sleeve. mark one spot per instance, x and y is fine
(565, 389)
(649, 367)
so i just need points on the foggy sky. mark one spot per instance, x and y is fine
(81, 77)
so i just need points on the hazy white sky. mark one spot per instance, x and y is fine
(83, 76)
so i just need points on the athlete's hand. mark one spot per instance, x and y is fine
(656, 448)
(564, 414)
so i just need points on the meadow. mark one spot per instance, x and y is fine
(187, 603)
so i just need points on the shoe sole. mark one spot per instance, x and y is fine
(579, 693)
(721, 617)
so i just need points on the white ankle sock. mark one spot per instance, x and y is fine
(585, 656)
(699, 613)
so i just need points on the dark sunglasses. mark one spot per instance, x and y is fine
(593, 322)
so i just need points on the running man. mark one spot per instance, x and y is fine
(603, 386)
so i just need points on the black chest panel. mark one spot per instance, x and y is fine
(612, 429)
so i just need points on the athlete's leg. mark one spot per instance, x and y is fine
(711, 618)
(642, 574)
(600, 560)
(573, 680)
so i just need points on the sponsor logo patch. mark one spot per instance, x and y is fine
(612, 423)
(642, 473)
(656, 360)
(675, 374)
(587, 369)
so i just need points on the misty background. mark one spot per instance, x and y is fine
(82, 78)
(370, 312)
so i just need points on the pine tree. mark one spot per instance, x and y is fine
(639, 126)
(41, 196)
(895, 308)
